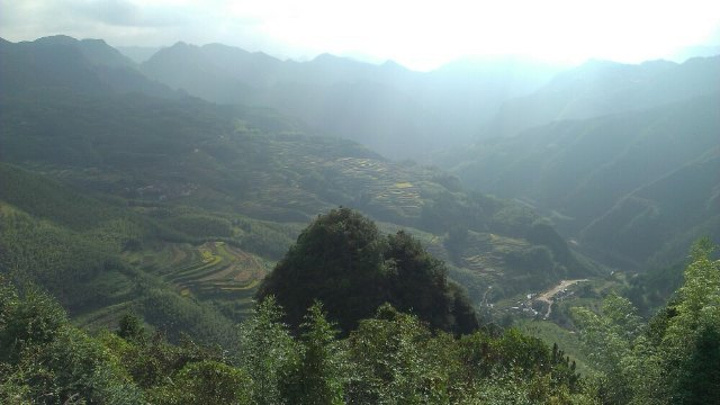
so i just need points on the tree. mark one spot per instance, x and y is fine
(267, 351)
(419, 285)
(608, 338)
(318, 378)
(672, 360)
(395, 359)
(342, 261)
(205, 382)
(690, 345)
(26, 321)
(337, 260)
(131, 328)
(46, 360)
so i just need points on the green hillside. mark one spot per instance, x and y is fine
(194, 202)
(208, 168)
(85, 251)
(159, 248)
(89, 65)
(599, 88)
(633, 189)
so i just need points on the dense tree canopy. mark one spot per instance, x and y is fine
(391, 358)
(675, 358)
(343, 261)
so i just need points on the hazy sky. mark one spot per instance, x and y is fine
(419, 34)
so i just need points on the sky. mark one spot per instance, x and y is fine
(420, 34)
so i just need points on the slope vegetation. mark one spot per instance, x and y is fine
(600, 88)
(197, 201)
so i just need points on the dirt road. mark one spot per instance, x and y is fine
(549, 295)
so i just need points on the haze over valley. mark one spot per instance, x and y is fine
(300, 205)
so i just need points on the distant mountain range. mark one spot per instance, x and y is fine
(121, 193)
(623, 157)
(89, 66)
(603, 149)
(637, 186)
(600, 88)
(395, 111)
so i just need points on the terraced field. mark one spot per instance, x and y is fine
(384, 186)
(211, 270)
(485, 254)
(387, 184)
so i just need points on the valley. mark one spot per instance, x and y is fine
(211, 172)
(209, 196)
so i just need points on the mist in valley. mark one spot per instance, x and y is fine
(274, 202)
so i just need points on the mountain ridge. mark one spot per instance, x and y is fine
(224, 189)
(599, 88)
(64, 62)
(579, 170)
(396, 111)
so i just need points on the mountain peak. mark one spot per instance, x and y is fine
(222, 47)
(392, 65)
(325, 57)
(94, 42)
(57, 40)
(182, 45)
(179, 49)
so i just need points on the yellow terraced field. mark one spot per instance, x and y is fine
(211, 268)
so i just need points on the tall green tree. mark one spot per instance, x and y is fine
(205, 382)
(690, 345)
(675, 358)
(318, 377)
(267, 352)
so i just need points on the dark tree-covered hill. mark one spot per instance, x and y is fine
(62, 62)
(343, 261)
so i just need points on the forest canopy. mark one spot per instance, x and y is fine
(343, 261)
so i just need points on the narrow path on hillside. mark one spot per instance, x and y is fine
(549, 295)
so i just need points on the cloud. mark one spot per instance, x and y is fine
(122, 22)
(112, 12)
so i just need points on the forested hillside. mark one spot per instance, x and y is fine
(389, 358)
(211, 196)
(637, 187)
(210, 226)
(598, 88)
(89, 66)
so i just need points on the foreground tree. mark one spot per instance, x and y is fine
(675, 359)
(342, 260)
(391, 358)
(318, 378)
(267, 352)
(46, 360)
